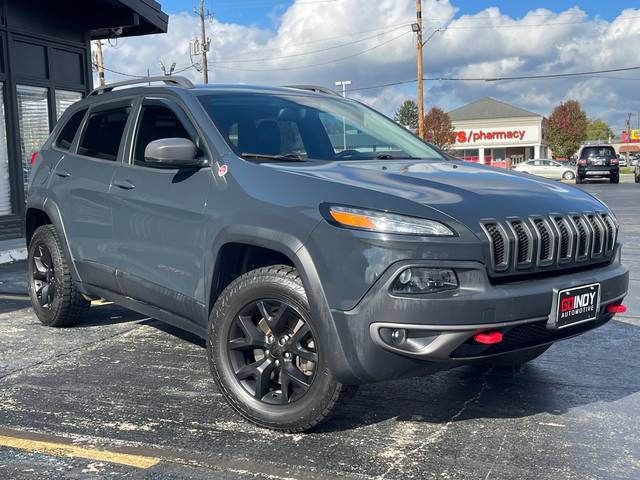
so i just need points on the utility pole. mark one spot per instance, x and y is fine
(204, 42)
(344, 84)
(417, 27)
(100, 63)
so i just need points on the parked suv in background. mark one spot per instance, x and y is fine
(598, 161)
(312, 242)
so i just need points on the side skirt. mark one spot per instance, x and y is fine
(145, 309)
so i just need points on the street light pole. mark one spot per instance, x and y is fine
(344, 84)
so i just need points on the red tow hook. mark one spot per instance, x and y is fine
(488, 338)
(616, 309)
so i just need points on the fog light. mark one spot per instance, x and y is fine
(425, 280)
(398, 336)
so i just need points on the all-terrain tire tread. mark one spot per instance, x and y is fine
(72, 306)
(341, 393)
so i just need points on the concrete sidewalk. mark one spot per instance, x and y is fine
(12, 250)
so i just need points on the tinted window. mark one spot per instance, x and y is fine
(102, 136)
(317, 127)
(68, 132)
(156, 122)
(598, 152)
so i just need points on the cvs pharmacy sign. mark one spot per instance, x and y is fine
(506, 136)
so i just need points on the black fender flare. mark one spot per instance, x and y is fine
(50, 208)
(294, 249)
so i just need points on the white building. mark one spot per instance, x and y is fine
(497, 134)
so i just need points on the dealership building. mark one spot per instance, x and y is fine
(498, 134)
(45, 66)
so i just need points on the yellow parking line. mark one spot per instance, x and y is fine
(63, 450)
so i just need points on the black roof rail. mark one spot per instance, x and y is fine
(169, 80)
(314, 88)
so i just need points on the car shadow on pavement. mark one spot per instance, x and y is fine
(572, 374)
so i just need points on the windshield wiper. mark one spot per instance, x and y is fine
(388, 156)
(290, 157)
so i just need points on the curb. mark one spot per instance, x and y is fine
(13, 255)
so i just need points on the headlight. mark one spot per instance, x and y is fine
(384, 222)
(425, 280)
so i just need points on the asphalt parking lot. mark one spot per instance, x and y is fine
(125, 395)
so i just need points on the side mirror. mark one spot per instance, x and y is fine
(172, 153)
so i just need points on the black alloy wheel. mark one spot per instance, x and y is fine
(267, 353)
(272, 351)
(43, 276)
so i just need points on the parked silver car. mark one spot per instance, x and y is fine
(548, 169)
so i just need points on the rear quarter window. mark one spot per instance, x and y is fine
(68, 132)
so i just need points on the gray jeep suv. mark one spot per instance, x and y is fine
(314, 244)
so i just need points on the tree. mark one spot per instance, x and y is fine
(407, 114)
(567, 129)
(598, 130)
(438, 129)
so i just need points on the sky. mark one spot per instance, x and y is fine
(369, 42)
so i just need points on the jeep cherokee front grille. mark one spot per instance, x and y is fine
(547, 242)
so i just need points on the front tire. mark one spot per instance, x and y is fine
(266, 353)
(55, 298)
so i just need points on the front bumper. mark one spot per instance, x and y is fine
(439, 328)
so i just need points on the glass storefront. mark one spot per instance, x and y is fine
(33, 122)
(64, 99)
(5, 183)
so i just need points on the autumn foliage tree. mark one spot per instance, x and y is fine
(566, 128)
(438, 128)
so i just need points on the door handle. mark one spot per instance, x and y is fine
(62, 172)
(124, 184)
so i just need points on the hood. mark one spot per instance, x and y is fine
(462, 190)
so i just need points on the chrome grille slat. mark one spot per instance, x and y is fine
(548, 241)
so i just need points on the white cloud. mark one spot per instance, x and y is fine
(568, 42)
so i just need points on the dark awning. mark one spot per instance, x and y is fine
(126, 18)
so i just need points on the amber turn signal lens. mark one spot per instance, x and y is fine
(352, 220)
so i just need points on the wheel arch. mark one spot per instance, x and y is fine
(46, 211)
(293, 249)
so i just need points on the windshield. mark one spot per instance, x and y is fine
(290, 126)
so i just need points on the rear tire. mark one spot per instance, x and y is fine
(517, 358)
(55, 298)
(266, 354)
(614, 179)
(568, 176)
(579, 179)
(637, 178)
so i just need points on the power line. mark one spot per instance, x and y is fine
(592, 74)
(311, 52)
(301, 67)
(524, 25)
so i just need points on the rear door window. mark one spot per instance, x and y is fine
(102, 136)
(68, 133)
